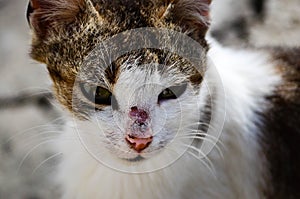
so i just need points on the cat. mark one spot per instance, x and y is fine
(158, 109)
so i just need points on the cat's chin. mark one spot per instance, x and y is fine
(138, 158)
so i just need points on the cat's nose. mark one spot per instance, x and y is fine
(138, 144)
(139, 115)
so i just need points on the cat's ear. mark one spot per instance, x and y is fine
(46, 16)
(191, 15)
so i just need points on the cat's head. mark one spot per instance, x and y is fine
(135, 103)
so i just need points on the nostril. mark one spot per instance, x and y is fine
(143, 116)
(139, 123)
(134, 108)
(138, 144)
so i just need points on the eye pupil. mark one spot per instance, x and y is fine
(97, 95)
(167, 92)
(102, 96)
(172, 93)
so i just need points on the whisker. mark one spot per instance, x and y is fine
(199, 153)
(55, 104)
(46, 160)
(37, 146)
(203, 162)
(35, 89)
(203, 135)
(30, 130)
(198, 134)
(31, 150)
(209, 165)
(171, 149)
(47, 126)
(54, 134)
(206, 139)
(201, 123)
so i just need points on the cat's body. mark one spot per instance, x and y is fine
(258, 114)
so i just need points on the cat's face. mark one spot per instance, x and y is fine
(141, 107)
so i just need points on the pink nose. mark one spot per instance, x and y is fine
(138, 144)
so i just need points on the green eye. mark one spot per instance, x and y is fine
(96, 94)
(172, 93)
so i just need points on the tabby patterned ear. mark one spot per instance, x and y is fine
(191, 15)
(46, 15)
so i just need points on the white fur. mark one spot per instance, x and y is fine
(247, 77)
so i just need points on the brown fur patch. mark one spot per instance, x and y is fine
(193, 15)
(289, 65)
(281, 128)
(52, 14)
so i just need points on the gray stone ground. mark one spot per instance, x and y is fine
(27, 121)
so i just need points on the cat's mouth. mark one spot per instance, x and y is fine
(136, 159)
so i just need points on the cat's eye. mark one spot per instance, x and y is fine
(96, 94)
(172, 92)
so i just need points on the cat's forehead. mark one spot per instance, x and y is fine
(144, 65)
(128, 13)
(65, 47)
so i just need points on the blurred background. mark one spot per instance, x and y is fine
(30, 118)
